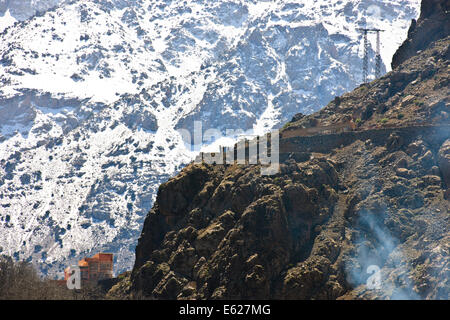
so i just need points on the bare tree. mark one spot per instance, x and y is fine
(20, 281)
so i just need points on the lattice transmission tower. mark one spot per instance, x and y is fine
(365, 31)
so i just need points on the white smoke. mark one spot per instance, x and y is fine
(378, 257)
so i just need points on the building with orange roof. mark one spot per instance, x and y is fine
(93, 269)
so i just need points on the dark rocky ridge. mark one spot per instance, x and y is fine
(312, 230)
(433, 24)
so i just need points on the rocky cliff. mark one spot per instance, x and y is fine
(365, 218)
(433, 24)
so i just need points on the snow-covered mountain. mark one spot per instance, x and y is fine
(12, 11)
(92, 93)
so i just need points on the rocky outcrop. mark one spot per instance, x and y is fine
(214, 228)
(433, 24)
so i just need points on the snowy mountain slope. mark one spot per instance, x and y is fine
(12, 11)
(92, 92)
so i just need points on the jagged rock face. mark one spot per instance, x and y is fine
(325, 222)
(236, 226)
(92, 92)
(433, 24)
